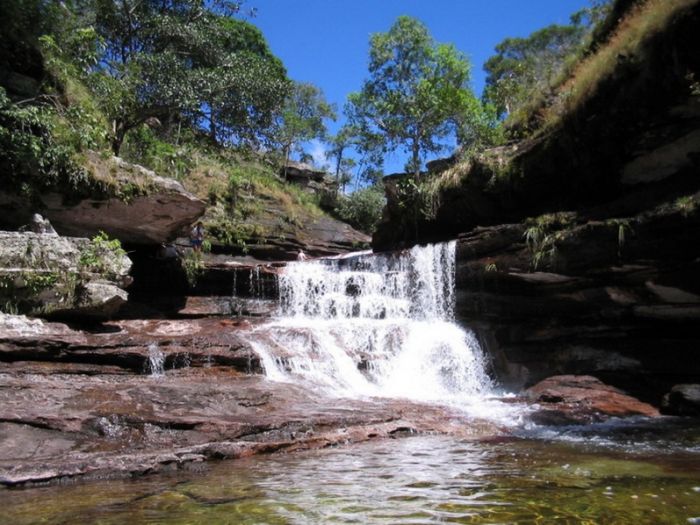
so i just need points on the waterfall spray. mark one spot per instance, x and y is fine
(156, 361)
(373, 325)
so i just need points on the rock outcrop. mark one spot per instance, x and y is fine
(126, 201)
(563, 400)
(301, 173)
(618, 300)
(140, 397)
(682, 400)
(578, 247)
(44, 274)
(273, 235)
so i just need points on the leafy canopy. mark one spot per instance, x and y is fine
(184, 59)
(523, 66)
(414, 93)
(302, 118)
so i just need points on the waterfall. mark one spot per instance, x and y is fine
(156, 361)
(373, 325)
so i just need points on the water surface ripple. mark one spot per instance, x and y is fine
(415, 480)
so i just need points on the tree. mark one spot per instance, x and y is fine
(302, 118)
(183, 58)
(242, 82)
(524, 65)
(415, 89)
(363, 208)
(339, 144)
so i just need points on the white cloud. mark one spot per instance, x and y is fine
(318, 153)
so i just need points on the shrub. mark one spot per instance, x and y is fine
(363, 208)
(30, 159)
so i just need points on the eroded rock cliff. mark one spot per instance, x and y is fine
(578, 247)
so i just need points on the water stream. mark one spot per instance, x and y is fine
(374, 325)
(382, 326)
(654, 480)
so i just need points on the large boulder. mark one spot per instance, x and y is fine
(43, 274)
(683, 400)
(301, 173)
(124, 200)
(582, 399)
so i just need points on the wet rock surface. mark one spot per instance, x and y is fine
(125, 345)
(571, 399)
(90, 403)
(682, 400)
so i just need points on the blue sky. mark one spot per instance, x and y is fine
(326, 42)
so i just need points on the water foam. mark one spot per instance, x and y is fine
(374, 325)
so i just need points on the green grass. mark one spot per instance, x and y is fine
(543, 233)
(640, 25)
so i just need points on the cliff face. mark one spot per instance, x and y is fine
(620, 301)
(633, 143)
(578, 248)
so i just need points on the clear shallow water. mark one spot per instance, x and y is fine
(413, 480)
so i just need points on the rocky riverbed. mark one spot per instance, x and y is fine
(135, 397)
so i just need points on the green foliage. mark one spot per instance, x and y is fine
(490, 268)
(96, 256)
(624, 229)
(362, 209)
(31, 160)
(302, 118)
(193, 266)
(543, 233)
(240, 205)
(79, 123)
(144, 147)
(529, 67)
(686, 205)
(478, 126)
(416, 90)
(525, 65)
(187, 60)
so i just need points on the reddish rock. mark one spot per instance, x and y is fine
(582, 399)
(80, 403)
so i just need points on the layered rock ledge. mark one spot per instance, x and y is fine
(124, 200)
(80, 404)
(45, 274)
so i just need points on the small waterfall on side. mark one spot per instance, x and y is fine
(156, 360)
(374, 325)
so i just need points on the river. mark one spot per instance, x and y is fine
(381, 328)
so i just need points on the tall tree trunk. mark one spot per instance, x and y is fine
(212, 123)
(415, 159)
(119, 132)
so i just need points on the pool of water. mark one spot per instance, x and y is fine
(631, 473)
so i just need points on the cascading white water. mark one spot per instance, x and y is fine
(374, 325)
(156, 360)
